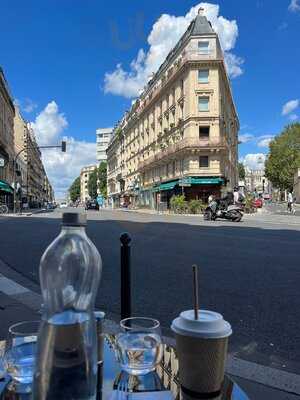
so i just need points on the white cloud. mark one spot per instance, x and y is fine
(164, 35)
(294, 6)
(49, 124)
(290, 106)
(245, 138)
(283, 26)
(233, 64)
(61, 168)
(26, 105)
(29, 105)
(293, 117)
(254, 161)
(264, 140)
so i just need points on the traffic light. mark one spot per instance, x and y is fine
(63, 146)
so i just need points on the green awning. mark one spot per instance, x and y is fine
(5, 187)
(165, 186)
(206, 181)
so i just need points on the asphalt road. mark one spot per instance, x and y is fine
(249, 272)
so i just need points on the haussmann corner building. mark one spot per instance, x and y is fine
(181, 134)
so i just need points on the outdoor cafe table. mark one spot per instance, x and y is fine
(164, 378)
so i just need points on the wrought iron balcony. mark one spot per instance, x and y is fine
(184, 145)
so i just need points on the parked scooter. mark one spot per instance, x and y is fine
(217, 209)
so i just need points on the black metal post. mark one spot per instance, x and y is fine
(125, 276)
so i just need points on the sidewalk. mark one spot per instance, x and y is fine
(166, 213)
(27, 213)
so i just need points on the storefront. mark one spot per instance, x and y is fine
(145, 198)
(6, 193)
(193, 187)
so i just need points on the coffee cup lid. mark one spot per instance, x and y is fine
(209, 325)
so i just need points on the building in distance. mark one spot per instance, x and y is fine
(84, 180)
(103, 137)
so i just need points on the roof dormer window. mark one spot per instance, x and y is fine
(203, 47)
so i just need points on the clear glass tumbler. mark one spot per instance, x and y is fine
(21, 350)
(139, 345)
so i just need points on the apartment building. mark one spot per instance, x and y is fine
(35, 169)
(20, 134)
(84, 179)
(255, 180)
(103, 137)
(7, 112)
(180, 135)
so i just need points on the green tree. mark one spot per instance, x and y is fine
(92, 184)
(74, 189)
(102, 178)
(242, 171)
(284, 157)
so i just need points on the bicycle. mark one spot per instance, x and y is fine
(3, 209)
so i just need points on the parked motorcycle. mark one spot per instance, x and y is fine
(216, 209)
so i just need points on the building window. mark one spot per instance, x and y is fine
(203, 132)
(203, 47)
(203, 103)
(203, 161)
(203, 75)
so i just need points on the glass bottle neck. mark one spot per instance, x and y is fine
(73, 229)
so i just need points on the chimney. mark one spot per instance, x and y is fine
(201, 11)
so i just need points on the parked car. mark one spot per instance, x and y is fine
(92, 205)
(258, 203)
(267, 196)
(50, 206)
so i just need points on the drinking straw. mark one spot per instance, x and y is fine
(196, 297)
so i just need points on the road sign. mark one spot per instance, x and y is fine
(2, 162)
(185, 182)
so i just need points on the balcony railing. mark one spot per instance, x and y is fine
(184, 145)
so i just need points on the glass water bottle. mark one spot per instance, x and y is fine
(70, 270)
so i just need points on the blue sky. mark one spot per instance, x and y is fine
(56, 54)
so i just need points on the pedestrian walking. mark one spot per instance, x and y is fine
(290, 203)
(236, 195)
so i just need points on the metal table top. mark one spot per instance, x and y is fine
(164, 378)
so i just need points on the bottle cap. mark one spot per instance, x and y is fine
(209, 325)
(74, 219)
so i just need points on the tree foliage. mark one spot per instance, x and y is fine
(242, 172)
(102, 178)
(74, 189)
(92, 184)
(284, 157)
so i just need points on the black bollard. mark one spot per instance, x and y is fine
(125, 276)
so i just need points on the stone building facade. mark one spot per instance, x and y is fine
(296, 189)
(255, 180)
(84, 180)
(180, 135)
(7, 112)
(20, 134)
(36, 174)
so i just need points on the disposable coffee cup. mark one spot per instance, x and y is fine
(201, 348)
